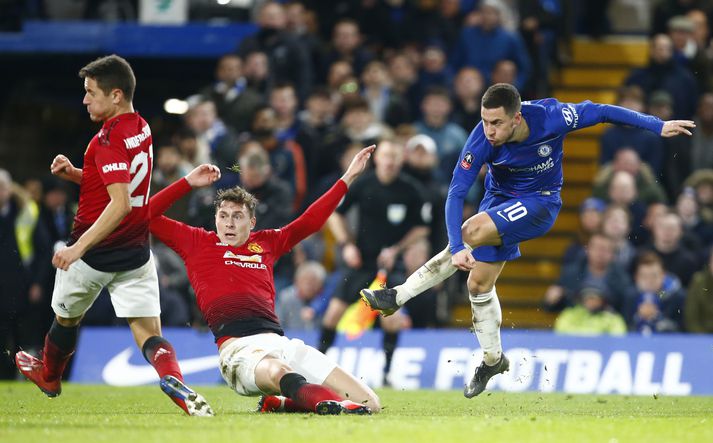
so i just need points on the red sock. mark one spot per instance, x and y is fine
(54, 360)
(291, 406)
(308, 396)
(160, 354)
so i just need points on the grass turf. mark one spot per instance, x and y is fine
(143, 414)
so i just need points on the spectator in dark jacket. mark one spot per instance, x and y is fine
(468, 89)
(664, 73)
(347, 46)
(597, 266)
(501, 44)
(234, 100)
(677, 258)
(289, 60)
(657, 304)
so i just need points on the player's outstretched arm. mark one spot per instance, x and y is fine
(63, 168)
(203, 175)
(673, 128)
(358, 164)
(314, 217)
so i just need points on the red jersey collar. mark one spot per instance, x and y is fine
(111, 121)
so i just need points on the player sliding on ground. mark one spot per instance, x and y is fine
(521, 143)
(231, 272)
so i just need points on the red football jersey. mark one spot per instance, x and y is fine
(121, 152)
(234, 285)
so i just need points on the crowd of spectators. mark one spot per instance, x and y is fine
(318, 80)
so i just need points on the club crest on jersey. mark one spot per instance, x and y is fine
(467, 161)
(544, 150)
(103, 135)
(254, 247)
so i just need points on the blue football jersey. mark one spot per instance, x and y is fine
(535, 165)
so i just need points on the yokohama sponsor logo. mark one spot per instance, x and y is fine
(537, 169)
(135, 141)
(111, 167)
(249, 265)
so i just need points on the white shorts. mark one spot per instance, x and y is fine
(239, 358)
(133, 293)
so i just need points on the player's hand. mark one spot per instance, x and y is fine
(672, 128)
(351, 255)
(203, 175)
(358, 164)
(63, 168)
(66, 256)
(463, 260)
(387, 258)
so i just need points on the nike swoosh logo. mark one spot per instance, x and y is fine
(500, 213)
(120, 372)
(498, 163)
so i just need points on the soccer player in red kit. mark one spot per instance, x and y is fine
(109, 244)
(231, 272)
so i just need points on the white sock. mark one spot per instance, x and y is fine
(434, 271)
(487, 318)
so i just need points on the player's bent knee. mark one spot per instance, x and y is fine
(469, 231)
(374, 404)
(69, 322)
(273, 369)
(480, 287)
(473, 232)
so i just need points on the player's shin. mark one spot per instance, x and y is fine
(487, 318)
(434, 271)
(60, 343)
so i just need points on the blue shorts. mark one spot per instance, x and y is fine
(517, 220)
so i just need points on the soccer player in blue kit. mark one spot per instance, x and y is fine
(521, 144)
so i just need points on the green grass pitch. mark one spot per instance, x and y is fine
(144, 414)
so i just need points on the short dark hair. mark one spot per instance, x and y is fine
(502, 95)
(238, 196)
(439, 91)
(648, 258)
(357, 103)
(284, 85)
(319, 92)
(111, 72)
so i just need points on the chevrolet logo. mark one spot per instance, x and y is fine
(247, 258)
